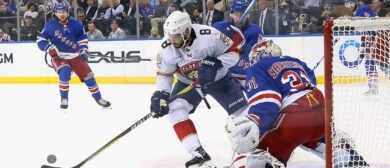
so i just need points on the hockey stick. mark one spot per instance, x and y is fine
(246, 12)
(318, 63)
(46, 61)
(136, 124)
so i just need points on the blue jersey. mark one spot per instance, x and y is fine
(364, 11)
(68, 38)
(251, 34)
(273, 83)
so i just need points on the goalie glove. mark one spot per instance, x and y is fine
(159, 106)
(243, 134)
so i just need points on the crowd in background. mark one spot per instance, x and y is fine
(117, 19)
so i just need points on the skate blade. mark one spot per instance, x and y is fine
(107, 108)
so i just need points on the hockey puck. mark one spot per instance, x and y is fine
(51, 158)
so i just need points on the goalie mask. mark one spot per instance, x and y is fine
(263, 49)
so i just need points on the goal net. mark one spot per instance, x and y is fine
(357, 92)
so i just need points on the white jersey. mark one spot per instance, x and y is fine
(185, 62)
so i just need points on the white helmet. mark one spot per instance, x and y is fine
(177, 23)
(264, 48)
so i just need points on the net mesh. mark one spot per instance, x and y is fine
(361, 92)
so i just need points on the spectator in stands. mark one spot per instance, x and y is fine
(312, 7)
(170, 4)
(161, 14)
(212, 15)
(71, 9)
(2, 2)
(90, 10)
(4, 36)
(264, 18)
(226, 9)
(154, 33)
(128, 20)
(11, 6)
(304, 24)
(116, 32)
(388, 14)
(31, 11)
(376, 7)
(115, 11)
(29, 31)
(40, 20)
(94, 33)
(196, 19)
(82, 19)
(7, 19)
(147, 12)
(102, 10)
(326, 14)
(286, 18)
(172, 9)
(82, 3)
(100, 21)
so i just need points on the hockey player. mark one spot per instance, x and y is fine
(194, 53)
(285, 110)
(374, 47)
(61, 38)
(250, 31)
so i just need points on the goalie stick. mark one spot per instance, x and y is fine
(136, 124)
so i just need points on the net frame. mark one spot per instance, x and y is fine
(350, 24)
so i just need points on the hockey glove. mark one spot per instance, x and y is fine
(208, 70)
(52, 50)
(84, 54)
(159, 106)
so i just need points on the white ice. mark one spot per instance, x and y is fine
(32, 126)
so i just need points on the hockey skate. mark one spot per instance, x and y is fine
(371, 92)
(103, 103)
(200, 160)
(64, 103)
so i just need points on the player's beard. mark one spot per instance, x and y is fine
(63, 20)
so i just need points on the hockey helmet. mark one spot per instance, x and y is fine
(262, 49)
(239, 5)
(61, 6)
(177, 23)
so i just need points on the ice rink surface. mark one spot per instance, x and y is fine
(32, 126)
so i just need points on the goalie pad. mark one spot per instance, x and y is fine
(243, 134)
(257, 159)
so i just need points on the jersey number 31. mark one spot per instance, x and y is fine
(295, 80)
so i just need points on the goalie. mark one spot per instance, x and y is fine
(286, 110)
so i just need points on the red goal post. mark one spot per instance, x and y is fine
(357, 131)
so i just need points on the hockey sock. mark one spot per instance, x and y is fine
(93, 88)
(186, 132)
(64, 74)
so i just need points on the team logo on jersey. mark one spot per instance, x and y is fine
(190, 70)
(64, 39)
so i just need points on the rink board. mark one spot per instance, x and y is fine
(23, 62)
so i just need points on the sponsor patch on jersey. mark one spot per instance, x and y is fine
(190, 70)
